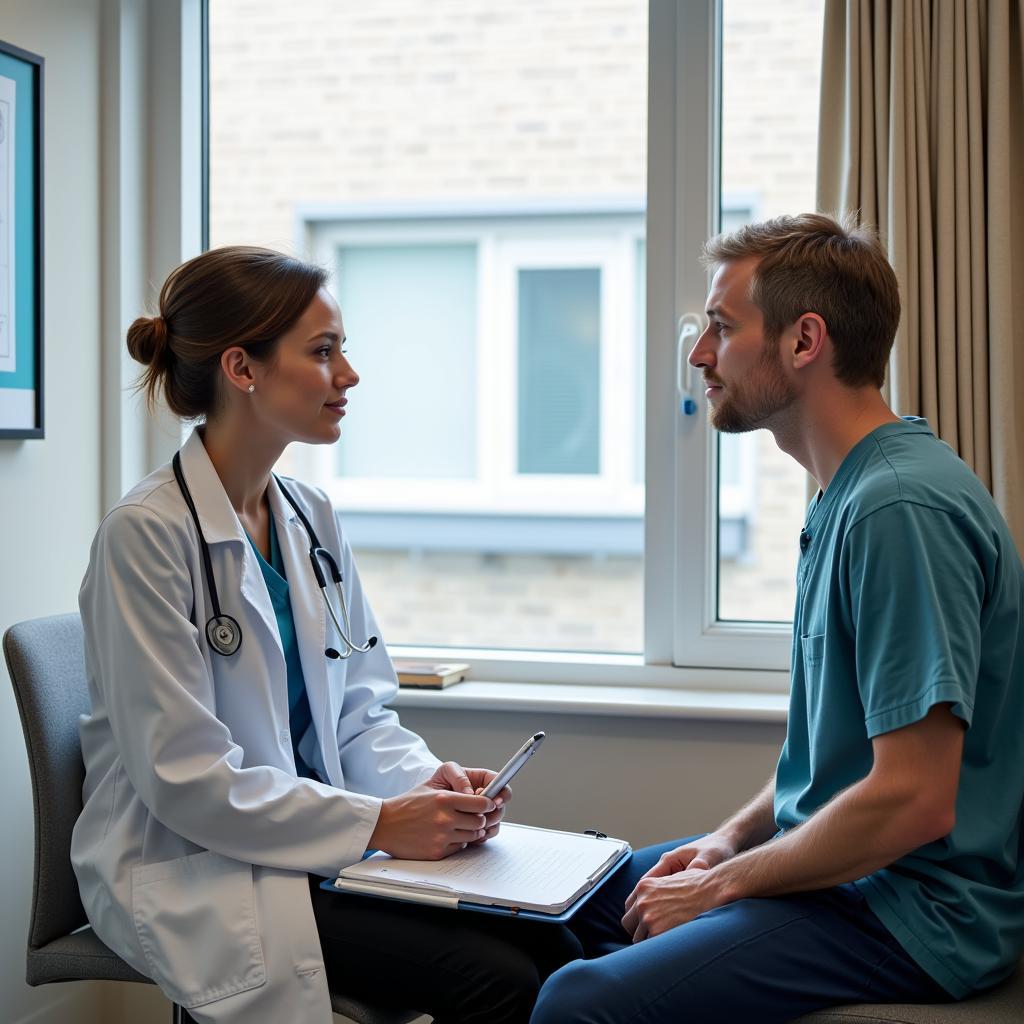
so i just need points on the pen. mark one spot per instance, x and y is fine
(516, 761)
(409, 895)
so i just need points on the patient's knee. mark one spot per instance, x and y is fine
(573, 995)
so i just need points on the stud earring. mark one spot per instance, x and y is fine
(252, 388)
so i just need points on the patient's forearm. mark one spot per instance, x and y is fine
(864, 828)
(754, 823)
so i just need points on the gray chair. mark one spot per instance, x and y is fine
(46, 661)
(1003, 1004)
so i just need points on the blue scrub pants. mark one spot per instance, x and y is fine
(757, 960)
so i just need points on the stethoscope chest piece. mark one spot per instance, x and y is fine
(224, 634)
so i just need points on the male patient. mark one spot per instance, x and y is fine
(885, 860)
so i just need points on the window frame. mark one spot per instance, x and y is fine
(511, 258)
(684, 189)
(685, 646)
(508, 237)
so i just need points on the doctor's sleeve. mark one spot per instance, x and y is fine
(146, 659)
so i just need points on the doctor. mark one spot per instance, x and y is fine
(229, 761)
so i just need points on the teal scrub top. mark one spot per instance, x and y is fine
(299, 715)
(910, 593)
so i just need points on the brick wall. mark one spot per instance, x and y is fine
(770, 73)
(328, 101)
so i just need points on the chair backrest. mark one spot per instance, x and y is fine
(46, 660)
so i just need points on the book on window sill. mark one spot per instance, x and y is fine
(429, 675)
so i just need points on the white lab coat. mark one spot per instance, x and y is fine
(196, 836)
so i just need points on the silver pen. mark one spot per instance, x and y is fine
(516, 761)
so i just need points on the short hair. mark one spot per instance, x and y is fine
(236, 295)
(813, 263)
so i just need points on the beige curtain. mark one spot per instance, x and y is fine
(922, 135)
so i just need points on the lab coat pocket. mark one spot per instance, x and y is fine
(196, 921)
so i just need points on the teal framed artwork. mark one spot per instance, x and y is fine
(21, 243)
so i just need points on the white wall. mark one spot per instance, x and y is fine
(47, 529)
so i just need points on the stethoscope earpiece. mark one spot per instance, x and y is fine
(371, 642)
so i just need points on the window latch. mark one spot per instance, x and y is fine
(687, 332)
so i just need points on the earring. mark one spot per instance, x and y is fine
(252, 388)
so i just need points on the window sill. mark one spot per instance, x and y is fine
(622, 701)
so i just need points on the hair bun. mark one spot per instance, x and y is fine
(147, 340)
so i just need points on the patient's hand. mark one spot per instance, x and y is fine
(658, 904)
(706, 852)
(674, 891)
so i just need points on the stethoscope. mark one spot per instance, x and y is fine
(222, 631)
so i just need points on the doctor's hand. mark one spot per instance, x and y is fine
(472, 780)
(481, 779)
(430, 822)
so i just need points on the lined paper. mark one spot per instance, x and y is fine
(522, 866)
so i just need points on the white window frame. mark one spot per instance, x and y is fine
(507, 239)
(683, 200)
(684, 646)
(152, 208)
(611, 488)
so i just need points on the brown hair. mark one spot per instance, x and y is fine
(235, 295)
(813, 263)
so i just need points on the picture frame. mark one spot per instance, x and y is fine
(21, 243)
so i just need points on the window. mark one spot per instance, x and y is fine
(725, 582)
(496, 460)
(418, 360)
(496, 383)
(768, 130)
(511, 234)
(558, 356)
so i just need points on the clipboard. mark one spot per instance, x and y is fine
(533, 873)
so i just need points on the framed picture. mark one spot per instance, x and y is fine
(21, 243)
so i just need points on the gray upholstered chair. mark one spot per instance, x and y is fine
(1002, 1005)
(47, 666)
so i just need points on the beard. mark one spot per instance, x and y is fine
(750, 404)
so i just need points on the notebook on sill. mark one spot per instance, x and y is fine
(539, 873)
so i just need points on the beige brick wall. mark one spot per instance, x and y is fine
(770, 73)
(543, 603)
(335, 101)
(328, 101)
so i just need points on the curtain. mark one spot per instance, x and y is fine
(922, 136)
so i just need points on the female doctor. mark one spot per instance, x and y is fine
(238, 746)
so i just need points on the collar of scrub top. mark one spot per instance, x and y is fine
(223, 632)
